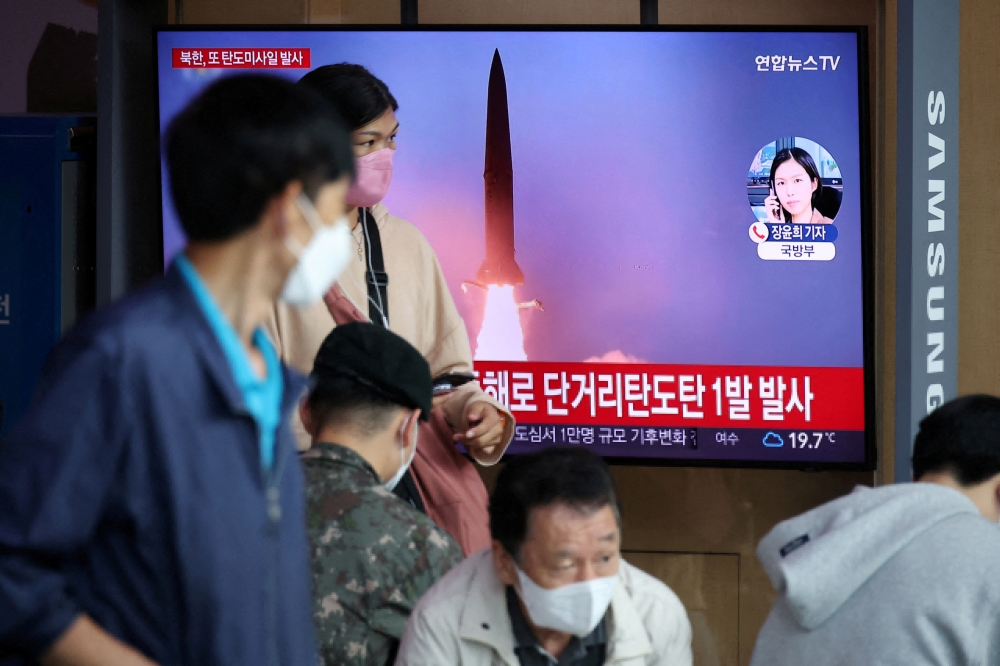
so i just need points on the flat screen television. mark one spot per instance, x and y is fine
(684, 273)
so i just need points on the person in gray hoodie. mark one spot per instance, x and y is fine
(907, 574)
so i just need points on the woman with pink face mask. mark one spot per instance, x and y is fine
(407, 293)
(795, 189)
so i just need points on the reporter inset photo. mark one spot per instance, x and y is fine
(794, 181)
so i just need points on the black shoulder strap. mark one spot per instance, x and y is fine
(378, 297)
(375, 275)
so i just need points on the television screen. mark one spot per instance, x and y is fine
(666, 258)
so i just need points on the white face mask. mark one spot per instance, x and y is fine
(574, 609)
(406, 462)
(321, 261)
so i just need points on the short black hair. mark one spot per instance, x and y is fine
(358, 95)
(241, 142)
(962, 438)
(559, 474)
(806, 161)
(351, 404)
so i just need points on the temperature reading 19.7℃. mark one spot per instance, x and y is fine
(810, 440)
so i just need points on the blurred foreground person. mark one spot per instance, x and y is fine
(152, 504)
(903, 574)
(373, 554)
(553, 589)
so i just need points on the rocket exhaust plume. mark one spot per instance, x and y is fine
(500, 337)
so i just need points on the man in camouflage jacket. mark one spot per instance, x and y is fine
(373, 555)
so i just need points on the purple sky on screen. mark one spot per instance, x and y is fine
(630, 154)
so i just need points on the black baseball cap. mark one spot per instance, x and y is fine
(379, 360)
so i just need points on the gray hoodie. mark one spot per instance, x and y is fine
(906, 574)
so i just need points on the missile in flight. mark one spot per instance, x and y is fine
(499, 267)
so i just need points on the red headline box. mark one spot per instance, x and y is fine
(281, 58)
(713, 396)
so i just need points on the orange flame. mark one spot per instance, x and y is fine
(501, 337)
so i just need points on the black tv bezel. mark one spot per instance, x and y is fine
(864, 151)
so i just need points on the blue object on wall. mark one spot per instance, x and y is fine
(38, 248)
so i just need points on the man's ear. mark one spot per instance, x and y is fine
(504, 564)
(281, 210)
(996, 494)
(407, 431)
(415, 424)
(305, 413)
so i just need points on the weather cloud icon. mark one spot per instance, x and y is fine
(773, 440)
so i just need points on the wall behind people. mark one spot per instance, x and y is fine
(129, 245)
(285, 11)
(49, 53)
(979, 199)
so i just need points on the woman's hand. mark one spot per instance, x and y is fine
(773, 209)
(486, 428)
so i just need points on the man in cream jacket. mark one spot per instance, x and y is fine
(553, 588)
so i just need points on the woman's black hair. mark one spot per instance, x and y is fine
(805, 160)
(357, 94)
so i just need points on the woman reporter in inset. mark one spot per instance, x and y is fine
(795, 188)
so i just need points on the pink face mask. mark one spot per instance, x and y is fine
(372, 178)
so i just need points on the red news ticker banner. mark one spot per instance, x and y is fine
(280, 58)
(719, 396)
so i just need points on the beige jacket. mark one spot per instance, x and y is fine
(463, 621)
(421, 310)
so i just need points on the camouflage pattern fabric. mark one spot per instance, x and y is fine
(373, 557)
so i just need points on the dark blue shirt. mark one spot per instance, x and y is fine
(134, 491)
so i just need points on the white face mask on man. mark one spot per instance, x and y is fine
(574, 609)
(321, 261)
(391, 484)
